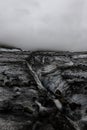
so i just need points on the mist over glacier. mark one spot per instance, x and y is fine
(44, 24)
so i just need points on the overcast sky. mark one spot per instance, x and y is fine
(47, 24)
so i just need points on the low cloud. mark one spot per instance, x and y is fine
(44, 24)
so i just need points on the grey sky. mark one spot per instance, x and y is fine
(37, 24)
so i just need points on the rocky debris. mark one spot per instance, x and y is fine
(43, 90)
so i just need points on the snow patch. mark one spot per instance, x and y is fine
(80, 56)
(9, 50)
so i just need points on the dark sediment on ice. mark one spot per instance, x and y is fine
(43, 90)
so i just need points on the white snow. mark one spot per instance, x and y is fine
(9, 50)
(69, 63)
(84, 118)
(49, 68)
(80, 56)
(58, 104)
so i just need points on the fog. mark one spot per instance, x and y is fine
(44, 24)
